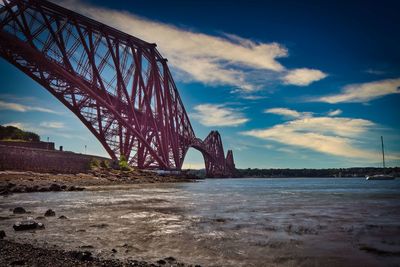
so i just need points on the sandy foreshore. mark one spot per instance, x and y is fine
(26, 181)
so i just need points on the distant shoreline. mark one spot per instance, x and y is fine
(309, 173)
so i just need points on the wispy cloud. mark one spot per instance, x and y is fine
(225, 59)
(218, 115)
(23, 108)
(47, 129)
(253, 97)
(290, 113)
(30, 127)
(363, 92)
(52, 124)
(303, 76)
(330, 135)
(286, 150)
(335, 112)
(375, 72)
(17, 98)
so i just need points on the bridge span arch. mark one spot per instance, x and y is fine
(119, 86)
(216, 164)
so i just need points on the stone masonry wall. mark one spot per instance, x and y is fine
(41, 160)
(41, 145)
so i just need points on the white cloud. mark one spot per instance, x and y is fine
(20, 125)
(218, 115)
(226, 59)
(286, 150)
(288, 112)
(23, 108)
(334, 136)
(205, 58)
(363, 92)
(303, 76)
(52, 124)
(335, 112)
(12, 106)
(253, 97)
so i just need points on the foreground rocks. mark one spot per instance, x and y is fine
(27, 187)
(27, 182)
(19, 210)
(12, 254)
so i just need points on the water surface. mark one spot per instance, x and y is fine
(225, 222)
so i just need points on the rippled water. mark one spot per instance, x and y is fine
(228, 222)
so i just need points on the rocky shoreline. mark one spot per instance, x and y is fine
(17, 254)
(27, 182)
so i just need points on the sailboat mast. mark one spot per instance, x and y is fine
(383, 153)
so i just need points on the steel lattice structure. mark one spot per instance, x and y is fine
(119, 86)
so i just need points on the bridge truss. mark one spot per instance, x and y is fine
(119, 86)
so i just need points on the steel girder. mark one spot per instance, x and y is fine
(119, 86)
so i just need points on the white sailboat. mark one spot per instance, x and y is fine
(381, 176)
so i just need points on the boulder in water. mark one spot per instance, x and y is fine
(27, 225)
(19, 210)
(50, 213)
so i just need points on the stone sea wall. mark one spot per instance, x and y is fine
(42, 160)
(40, 145)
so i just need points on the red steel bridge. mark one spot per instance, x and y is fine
(119, 86)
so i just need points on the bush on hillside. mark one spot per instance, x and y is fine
(123, 164)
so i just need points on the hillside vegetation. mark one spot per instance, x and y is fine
(8, 133)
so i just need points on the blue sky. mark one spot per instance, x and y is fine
(287, 84)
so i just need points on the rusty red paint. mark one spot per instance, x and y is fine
(119, 86)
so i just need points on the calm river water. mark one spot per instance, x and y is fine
(225, 222)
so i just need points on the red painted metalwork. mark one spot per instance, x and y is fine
(119, 86)
(230, 164)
